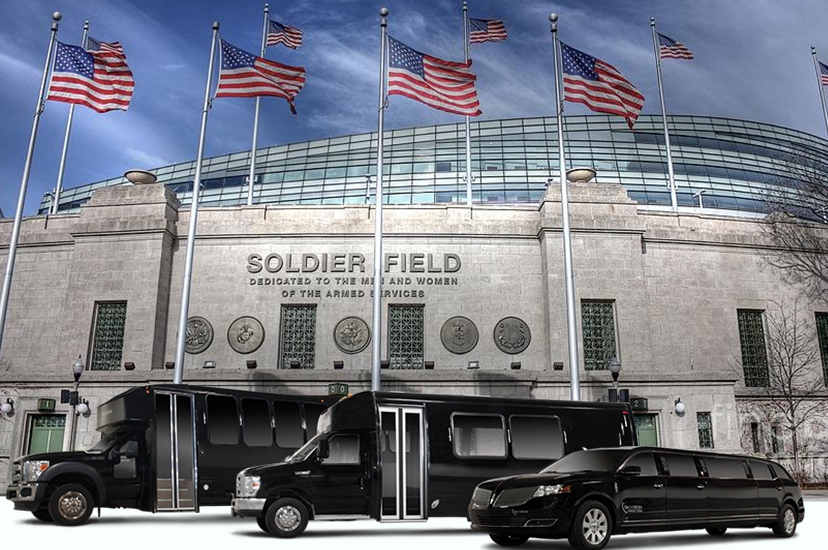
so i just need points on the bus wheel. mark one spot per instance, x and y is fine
(508, 540)
(262, 523)
(43, 515)
(286, 518)
(71, 504)
(786, 524)
(591, 528)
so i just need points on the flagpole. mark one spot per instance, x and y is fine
(21, 199)
(188, 265)
(376, 344)
(251, 179)
(821, 86)
(571, 329)
(670, 173)
(59, 186)
(468, 122)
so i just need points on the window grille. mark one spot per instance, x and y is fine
(598, 330)
(49, 421)
(705, 423)
(405, 336)
(108, 336)
(776, 439)
(756, 437)
(822, 337)
(754, 354)
(298, 337)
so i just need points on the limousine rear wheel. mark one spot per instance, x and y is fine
(508, 540)
(786, 522)
(286, 518)
(591, 527)
(716, 531)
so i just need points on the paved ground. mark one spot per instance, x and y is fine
(214, 528)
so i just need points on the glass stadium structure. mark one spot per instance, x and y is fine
(737, 164)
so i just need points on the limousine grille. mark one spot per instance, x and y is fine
(481, 497)
(514, 497)
(501, 521)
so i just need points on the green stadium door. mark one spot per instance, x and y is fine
(646, 429)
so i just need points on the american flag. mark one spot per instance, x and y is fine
(599, 85)
(823, 73)
(482, 30)
(246, 75)
(444, 85)
(99, 78)
(670, 49)
(278, 33)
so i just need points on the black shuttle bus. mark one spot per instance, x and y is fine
(165, 448)
(399, 456)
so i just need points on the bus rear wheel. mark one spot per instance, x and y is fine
(286, 518)
(71, 504)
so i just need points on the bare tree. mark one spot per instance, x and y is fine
(794, 390)
(797, 222)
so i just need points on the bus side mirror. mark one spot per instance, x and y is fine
(630, 471)
(323, 450)
(130, 450)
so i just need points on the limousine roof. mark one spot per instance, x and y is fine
(693, 452)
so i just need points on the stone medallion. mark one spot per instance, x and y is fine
(511, 335)
(199, 335)
(459, 335)
(352, 335)
(245, 334)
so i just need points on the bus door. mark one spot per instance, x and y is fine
(403, 472)
(175, 452)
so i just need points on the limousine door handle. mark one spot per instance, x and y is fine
(700, 486)
(658, 485)
(303, 473)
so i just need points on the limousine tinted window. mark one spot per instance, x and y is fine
(223, 420)
(681, 465)
(256, 423)
(760, 470)
(593, 461)
(725, 467)
(645, 462)
(536, 437)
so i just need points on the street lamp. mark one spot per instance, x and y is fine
(77, 370)
(615, 369)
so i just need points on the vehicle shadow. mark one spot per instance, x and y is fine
(620, 542)
(334, 533)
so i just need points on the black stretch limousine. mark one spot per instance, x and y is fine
(589, 495)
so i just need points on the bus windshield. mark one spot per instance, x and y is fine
(107, 439)
(305, 450)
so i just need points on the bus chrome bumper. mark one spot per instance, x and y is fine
(24, 496)
(248, 507)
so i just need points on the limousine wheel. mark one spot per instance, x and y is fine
(71, 504)
(508, 540)
(716, 531)
(286, 518)
(786, 523)
(591, 528)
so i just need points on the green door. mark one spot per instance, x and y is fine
(646, 430)
(46, 433)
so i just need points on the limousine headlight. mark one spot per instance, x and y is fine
(249, 486)
(32, 469)
(547, 490)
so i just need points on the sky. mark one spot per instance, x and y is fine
(753, 61)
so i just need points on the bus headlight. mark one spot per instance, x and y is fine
(31, 470)
(248, 486)
(548, 490)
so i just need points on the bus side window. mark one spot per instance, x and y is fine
(256, 426)
(222, 420)
(312, 414)
(287, 417)
(344, 449)
(478, 435)
(536, 437)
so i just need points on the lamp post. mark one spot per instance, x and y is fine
(77, 370)
(615, 369)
